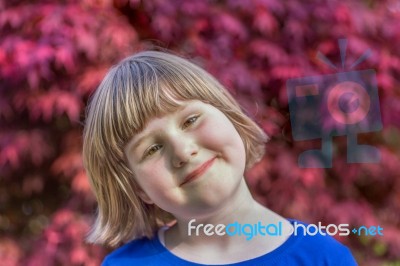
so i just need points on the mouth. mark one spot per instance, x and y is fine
(198, 172)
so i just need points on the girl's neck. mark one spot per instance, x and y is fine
(240, 207)
(189, 237)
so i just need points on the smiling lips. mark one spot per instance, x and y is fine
(198, 172)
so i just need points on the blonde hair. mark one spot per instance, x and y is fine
(140, 87)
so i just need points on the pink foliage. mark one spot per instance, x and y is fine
(54, 54)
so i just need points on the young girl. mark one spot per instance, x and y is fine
(165, 148)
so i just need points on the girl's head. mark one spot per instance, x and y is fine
(140, 88)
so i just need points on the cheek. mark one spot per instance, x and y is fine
(152, 177)
(222, 137)
(221, 130)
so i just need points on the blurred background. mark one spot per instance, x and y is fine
(53, 55)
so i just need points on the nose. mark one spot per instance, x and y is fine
(184, 149)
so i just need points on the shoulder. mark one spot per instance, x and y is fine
(142, 251)
(315, 245)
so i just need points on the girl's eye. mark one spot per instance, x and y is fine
(190, 121)
(153, 149)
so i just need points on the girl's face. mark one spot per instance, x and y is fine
(189, 162)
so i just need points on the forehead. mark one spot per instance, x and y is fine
(166, 105)
(165, 96)
(184, 105)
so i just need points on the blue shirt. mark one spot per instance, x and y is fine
(296, 250)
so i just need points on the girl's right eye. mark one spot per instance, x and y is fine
(150, 151)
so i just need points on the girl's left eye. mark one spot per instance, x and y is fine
(190, 121)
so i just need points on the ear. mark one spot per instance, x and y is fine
(143, 196)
